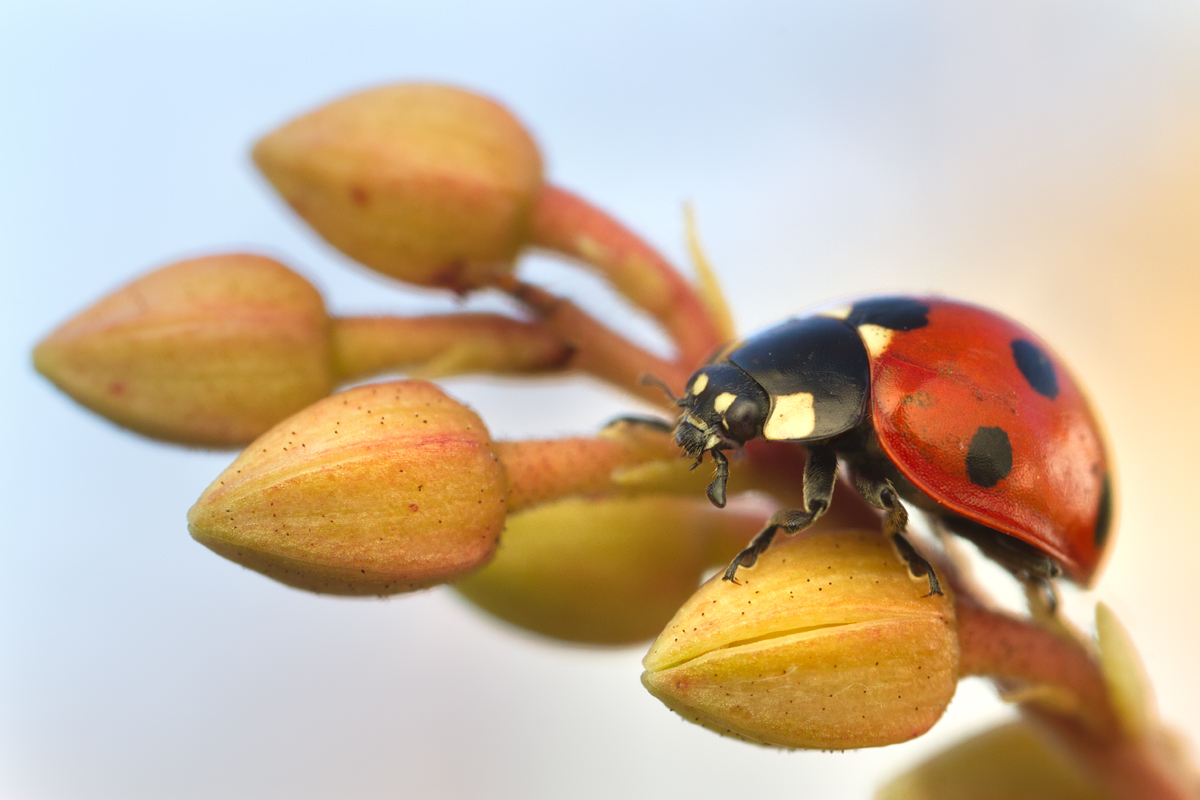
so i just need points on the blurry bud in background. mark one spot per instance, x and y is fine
(215, 351)
(429, 184)
(608, 570)
(827, 643)
(1012, 762)
(211, 351)
(380, 489)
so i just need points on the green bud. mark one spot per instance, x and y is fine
(606, 570)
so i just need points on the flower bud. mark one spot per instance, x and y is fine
(1125, 675)
(607, 570)
(211, 351)
(429, 184)
(1012, 762)
(380, 489)
(827, 643)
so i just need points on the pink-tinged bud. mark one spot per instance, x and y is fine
(827, 643)
(210, 352)
(609, 570)
(380, 489)
(1012, 762)
(429, 184)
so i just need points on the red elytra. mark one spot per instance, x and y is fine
(936, 388)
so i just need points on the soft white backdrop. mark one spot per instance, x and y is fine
(1040, 157)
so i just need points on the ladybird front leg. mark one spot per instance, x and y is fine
(820, 473)
(716, 489)
(882, 495)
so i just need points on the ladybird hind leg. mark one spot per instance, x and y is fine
(1033, 568)
(882, 495)
(820, 474)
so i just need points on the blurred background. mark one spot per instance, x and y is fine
(1042, 158)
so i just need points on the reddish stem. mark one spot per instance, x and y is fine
(598, 350)
(567, 224)
(540, 471)
(1128, 770)
(364, 346)
(1007, 648)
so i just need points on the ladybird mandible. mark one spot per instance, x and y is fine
(948, 406)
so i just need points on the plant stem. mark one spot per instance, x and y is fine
(1145, 769)
(1007, 648)
(1071, 700)
(444, 344)
(597, 349)
(568, 225)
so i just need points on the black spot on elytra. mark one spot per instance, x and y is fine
(989, 459)
(893, 313)
(1036, 366)
(1103, 516)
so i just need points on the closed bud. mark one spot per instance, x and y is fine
(607, 570)
(1012, 762)
(429, 184)
(211, 351)
(827, 643)
(380, 489)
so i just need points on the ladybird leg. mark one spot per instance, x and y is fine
(716, 489)
(820, 473)
(882, 495)
(650, 423)
(1042, 595)
(1033, 568)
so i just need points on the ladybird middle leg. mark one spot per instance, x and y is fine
(882, 495)
(820, 474)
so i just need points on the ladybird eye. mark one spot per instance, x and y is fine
(742, 419)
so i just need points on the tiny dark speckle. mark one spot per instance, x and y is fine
(413, 507)
(989, 459)
(359, 195)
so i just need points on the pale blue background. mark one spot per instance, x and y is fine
(830, 149)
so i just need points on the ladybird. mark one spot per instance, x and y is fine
(950, 407)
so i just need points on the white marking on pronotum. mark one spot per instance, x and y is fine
(792, 417)
(723, 402)
(876, 338)
(699, 384)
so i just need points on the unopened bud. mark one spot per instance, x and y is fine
(610, 570)
(380, 489)
(429, 184)
(211, 351)
(827, 643)
(1012, 762)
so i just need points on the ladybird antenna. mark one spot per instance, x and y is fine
(652, 380)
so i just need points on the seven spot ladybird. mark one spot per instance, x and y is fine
(951, 407)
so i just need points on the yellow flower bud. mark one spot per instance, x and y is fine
(1125, 675)
(608, 570)
(827, 643)
(211, 351)
(376, 490)
(1012, 762)
(429, 184)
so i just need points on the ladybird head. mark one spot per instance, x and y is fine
(723, 409)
